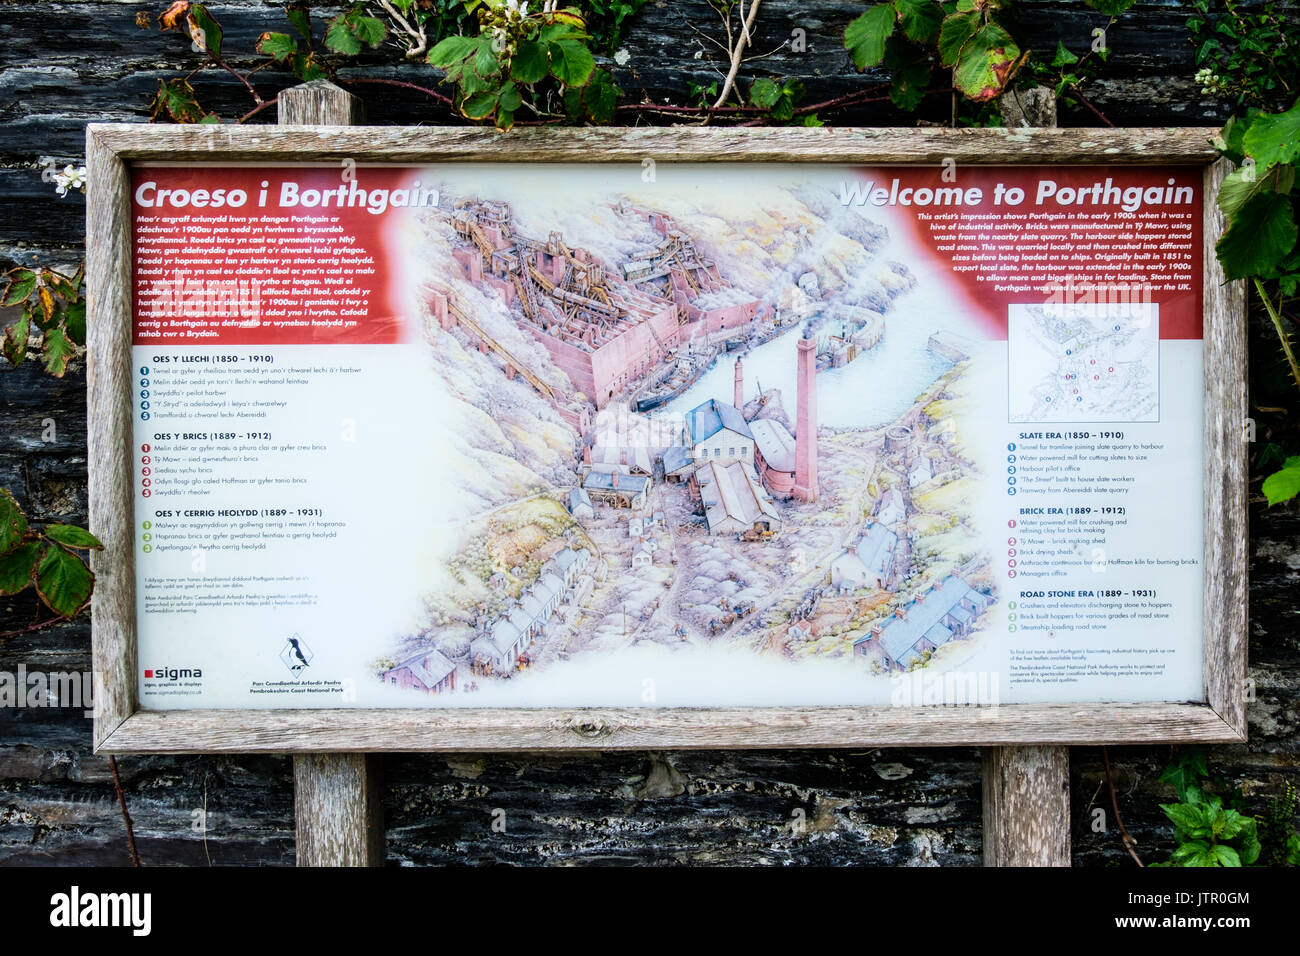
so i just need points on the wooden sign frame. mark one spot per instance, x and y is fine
(122, 727)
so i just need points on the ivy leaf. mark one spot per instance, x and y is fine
(1274, 137)
(13, 523)
(73, 536)
(452, 50)
(600, 97)
(204, 30)
(279, 46)
(865, 36)
(1283, 484)
(340, 38)
(14, 345)
(63, 581)
(764, 93)
(953, 34)
(530, 63)
(20, 286)
(17, 567)
(1063, 56)
(571, 62)
(985, 63)
(920, 19)
(57, 352)
(1260, 236)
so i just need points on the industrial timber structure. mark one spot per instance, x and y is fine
(606, 332)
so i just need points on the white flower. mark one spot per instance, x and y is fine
(621, 56)
(70, 178)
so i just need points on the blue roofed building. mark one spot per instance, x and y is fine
(943, 612)
(718, 432)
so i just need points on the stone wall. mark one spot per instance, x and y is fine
(64, 64)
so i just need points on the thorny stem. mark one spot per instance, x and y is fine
(1088, 103)
(258, 108)
(126, 815)
(1281, 330)
(445, 100)
(1125, 836)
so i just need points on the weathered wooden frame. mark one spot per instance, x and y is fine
(122, 727)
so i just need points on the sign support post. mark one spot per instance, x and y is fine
(338, 810)
(1027, 789)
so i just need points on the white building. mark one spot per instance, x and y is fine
(717, 432)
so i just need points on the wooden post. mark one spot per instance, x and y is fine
(1027, 789)
(337, 808)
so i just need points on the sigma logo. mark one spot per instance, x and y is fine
(172, 673)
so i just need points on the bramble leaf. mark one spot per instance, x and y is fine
(17, 567)
(13, 523)
(866, 35)
(63, 581)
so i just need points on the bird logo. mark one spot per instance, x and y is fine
(296, 655)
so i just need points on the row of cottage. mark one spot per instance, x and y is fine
(564, 579)
(934, 617)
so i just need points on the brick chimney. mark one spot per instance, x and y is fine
(740, 386)
(805, 439)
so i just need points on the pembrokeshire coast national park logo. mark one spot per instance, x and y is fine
(296, 655)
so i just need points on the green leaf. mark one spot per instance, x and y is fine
(530, 63)
(1274, 137)
(1293, 850)
(1112, 8)
(14, 345)
(1063, 56)
(486, 61)
(1260, 236)
(908, 87)
(600, 97)
(505, 119)
(63, 581)
(510, 100)
(920, 19)
(60, 284)
(175, 98)
(571, 62)
(20, 286)
(305, 67)
(1226, 855)
(299, 15)
(1241, 184)
(340, 38)
(1283, 484)
(1187, 818)
(279, 46)
(204, 30)
(452, 50)
(72, 536)
(17, 567)
(985, 62)
(764, 93)
(1191, 850)
(480, 105)
(865, 36)
(783, 111)
(13, 523)
(1186, 773)
(57, 352)
(953, 34)
(369, 30)
(74, 322)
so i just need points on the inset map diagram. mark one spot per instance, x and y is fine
(1086, 362)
